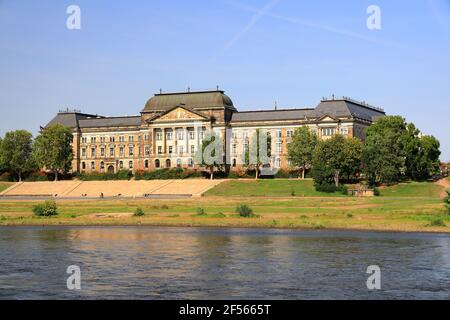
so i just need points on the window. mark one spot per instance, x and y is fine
(83, 166)
(83, 152)
(178, 163)
(131, 151)
(326, 132)
(146, 164)
(192, 149)
(102, 165)
(245, 134)
(344, 131)
(169, 135)
(92, 152)
(157, 164)
(111, 139)
(278, 147)
(93, 139)
(201, 134)
(146, 137)
(147, 150)
(122, 139)
(159, 136)
(190, 162)
(278, 163)
(111, 151)
(84, 140)
(159, 149)
(92, 165)
(192, 135)
(180, 135)
(168, 163)
(234, 162)
(102, 152)
(278, 135)
(102, 139)
(130, 138)
(170, 149)
(121, 164)
(290, 133)
(180, 149)
(130, 165)
(234, 134)
(122, 151)
(234, 149)
(244, 148)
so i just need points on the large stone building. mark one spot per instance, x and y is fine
(171, 126)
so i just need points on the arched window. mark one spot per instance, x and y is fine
(130, 165)
(83, 166)
(178, 163)
(234, 162)
(190, 162)
(146, 164)
(168, 163)
(102, 165)
(157, 164)
(121, 164)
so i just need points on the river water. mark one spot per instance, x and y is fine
(209, 263)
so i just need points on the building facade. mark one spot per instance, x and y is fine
(171, 127)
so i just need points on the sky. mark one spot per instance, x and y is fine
(259, 51)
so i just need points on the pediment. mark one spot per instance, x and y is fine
(179, 114)
(327, 118)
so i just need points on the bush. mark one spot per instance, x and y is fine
(244, 211)
(376, 192)
(437, 222)
(200, 212)
(139, 212)
(326, 187)
(168, 173)
(97, 176)
(48, 208)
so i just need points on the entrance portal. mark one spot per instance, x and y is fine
(111, 169)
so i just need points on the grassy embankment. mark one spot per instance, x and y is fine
(276, 203)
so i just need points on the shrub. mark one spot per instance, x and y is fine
(437, 222)
(139, 212)
(200, 212)
(349, 215)
(376, 192)
(244, 211)
(168, 173)
(48, 208)
(326, 187)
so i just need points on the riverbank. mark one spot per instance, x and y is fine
(402, 214)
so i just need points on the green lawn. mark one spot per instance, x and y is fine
(412, 189)
(267, 188)
(4, 186)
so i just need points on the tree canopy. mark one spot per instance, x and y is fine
(53, 149)
(258, 152)
(301, 149)
(16, 153)
(211, 155)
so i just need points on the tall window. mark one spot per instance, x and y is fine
(121, 164)
(146, 137)
(83, 152)
(111, 139)
(121, 151)
(234, 148)
(326, 132)
(102, 152)
(344, 131)
(278, 135)
(111, 151)
(190, 162)
(159, 136)
(178, 163)
(290, 133)
(131, 151)
(122, 138)
(92, 165)
(159, 149)
(146, 164)
(147, 150)
(93, 139)
(157, 163)
(83, 165)
(180, 135)
(169, 135)
(191, 135)
(278, 163)
(92, 152)
(170, 149)
(130, 138)
(130, 165)
(192, 149)
(279, 147)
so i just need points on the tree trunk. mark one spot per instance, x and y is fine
(336, 178)
(303, 174)
(20, 176)
(211, 172)
(56, 175)
(256, 175)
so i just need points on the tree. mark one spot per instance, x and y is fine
(53, 149)
(384, 152)
(335, 157)
(395, 149)
(16, 154)
(211, 155)
(259, 151)
(302, 147)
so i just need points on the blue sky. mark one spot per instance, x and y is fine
(258, 51)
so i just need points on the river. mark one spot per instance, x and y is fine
(210, 263)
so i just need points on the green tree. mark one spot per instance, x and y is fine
(427, 162)
(16, 154)
(258, 151)
(301, 149)
(53, 149)
(211, 155)
(335, 157)
(384, 152)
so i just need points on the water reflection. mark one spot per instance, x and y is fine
(163, 263)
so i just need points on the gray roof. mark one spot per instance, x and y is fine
(110, 122)
(348, 108)
(69, 119)
(273, 115)
(82, 120)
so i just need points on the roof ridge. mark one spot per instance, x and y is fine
(273, 110)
